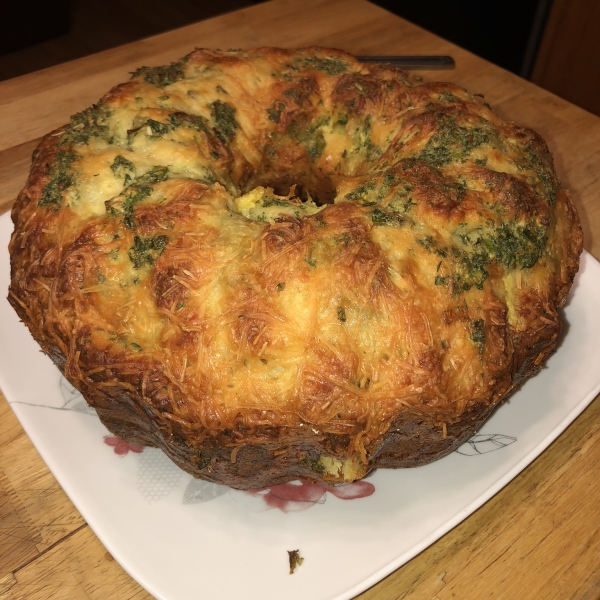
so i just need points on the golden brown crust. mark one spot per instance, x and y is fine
(257, 337)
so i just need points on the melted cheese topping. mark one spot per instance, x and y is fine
(418, 247)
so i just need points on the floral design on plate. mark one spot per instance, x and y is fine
(482, 443)
(120, 447)
(158, 476)
(73, 398)
(299, 495)
(199, 491)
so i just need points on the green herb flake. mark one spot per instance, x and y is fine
(447, 97)
(157, 129)
(514, 246)
(122, 167)
(185, 120)
(133, 195)
(363, 193)
(341, 314)
(60, 180)
(225, 122)
(541, 163)
(381, 218)
(430, 244)
(331, 66)
(136, 192)
(478, 331)
(315, 145)
(275, 112)
(450, 142)
(342, 119)
(146, 250)
(154, 175)
(313, 139)
(266, 202)
(161, 76)
(85, 125)
(292, 94)
(343, 239)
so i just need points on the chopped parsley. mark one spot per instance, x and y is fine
(135, 193)
(268, 201)
(315, 144)
(161, 76)
(331, 66)
(154, 175)
(542, 166)
(60, 180)
(342, 121)
(450, 142)
(363, 193)
(380, 217)
(312, 138)
(157, 129)
(447, 97)
(478, 333)
(365, 139)
(123, 168)
(512, 245)
(182, 119)
(225, 123)
(275, 112)
(84, 125)
(146, 250)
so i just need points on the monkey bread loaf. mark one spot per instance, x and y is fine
(279, 265)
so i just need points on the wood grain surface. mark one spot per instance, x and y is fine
(537, 538)
(570, 52)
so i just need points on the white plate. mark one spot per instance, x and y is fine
(186, 539)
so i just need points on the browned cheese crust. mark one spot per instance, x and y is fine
(372, 316)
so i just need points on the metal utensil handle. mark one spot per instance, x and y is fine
(412, 62)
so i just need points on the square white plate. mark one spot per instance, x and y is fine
(186, 539)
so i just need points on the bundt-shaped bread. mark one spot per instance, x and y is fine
(279, 264)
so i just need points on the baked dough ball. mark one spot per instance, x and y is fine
(278, 264)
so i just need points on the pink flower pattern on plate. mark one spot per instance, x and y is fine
(293, 496)
(120, 447)
(300, 495)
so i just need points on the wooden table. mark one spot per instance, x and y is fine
(538, 538)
